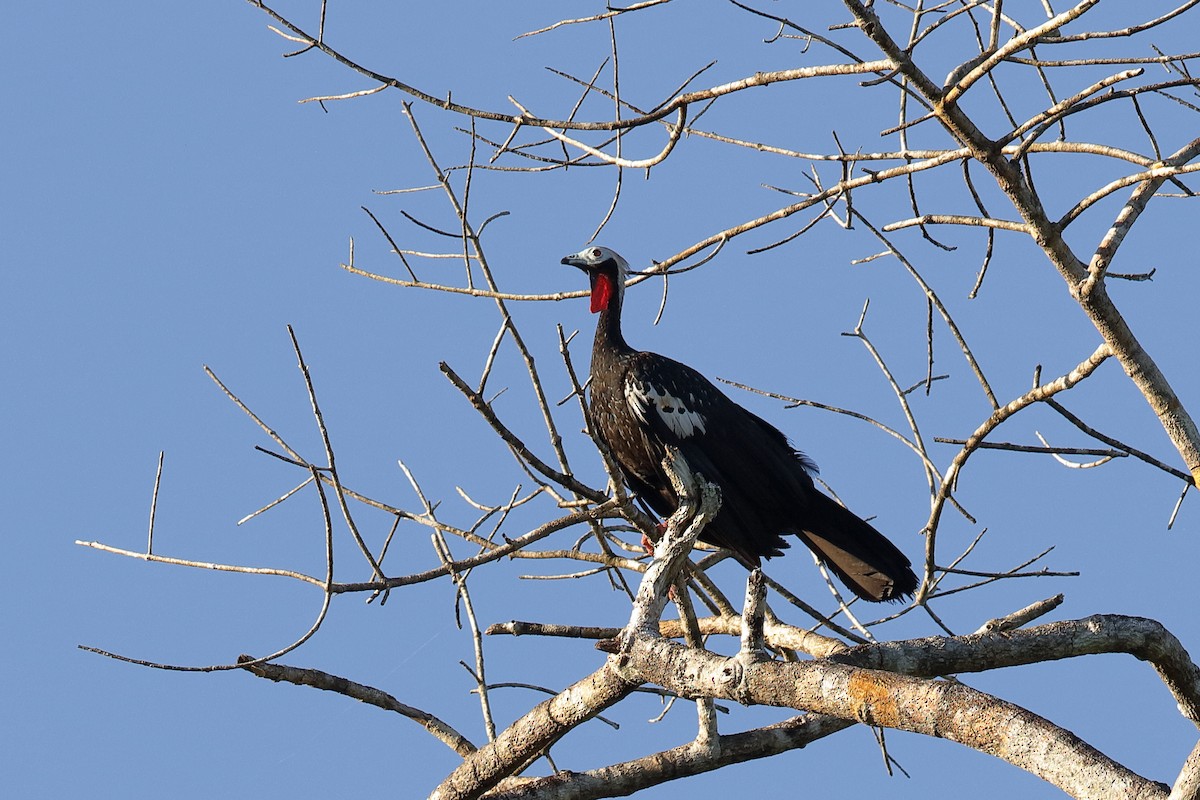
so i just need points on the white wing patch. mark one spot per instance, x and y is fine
(670, 410)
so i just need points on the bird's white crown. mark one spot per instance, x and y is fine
(596, 255)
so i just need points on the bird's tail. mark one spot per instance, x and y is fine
(861, 556)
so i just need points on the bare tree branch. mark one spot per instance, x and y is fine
(302, 676)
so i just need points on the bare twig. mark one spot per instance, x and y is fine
(302, 676)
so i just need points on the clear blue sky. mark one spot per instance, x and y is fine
(168, 204)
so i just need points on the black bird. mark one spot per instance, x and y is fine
(641, 402)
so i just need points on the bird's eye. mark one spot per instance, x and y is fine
(596, 252)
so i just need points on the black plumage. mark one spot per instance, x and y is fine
(641, 402)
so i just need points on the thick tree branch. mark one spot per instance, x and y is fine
(629, 777)
(533, 733)
(1142, 638)
(1187, 785)
(934, 708)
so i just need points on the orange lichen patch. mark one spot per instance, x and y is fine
(873, 701)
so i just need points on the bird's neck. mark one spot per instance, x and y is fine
(609, 339)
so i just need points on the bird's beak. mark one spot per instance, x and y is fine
(574, 261)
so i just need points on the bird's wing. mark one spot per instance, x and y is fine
(681, 406)
(749, 460)
(667, 405)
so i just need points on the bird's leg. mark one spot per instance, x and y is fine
(648, 543)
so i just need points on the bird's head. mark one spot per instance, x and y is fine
(605, 269)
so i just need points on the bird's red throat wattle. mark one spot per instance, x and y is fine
(602, 292)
